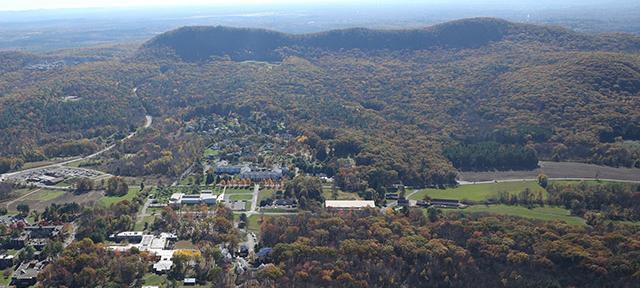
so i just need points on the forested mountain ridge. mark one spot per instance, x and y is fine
(499, 95)
(199, 43)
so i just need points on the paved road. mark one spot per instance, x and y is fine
(254, 200)
(148, 121)
(143, 212)
(184, 174)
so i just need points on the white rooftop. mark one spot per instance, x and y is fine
(349, 203)
(163, 265)
(129, 234)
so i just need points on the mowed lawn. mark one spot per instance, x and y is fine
(328, 194)
(45, 195)
(139, 226)
(240, 197)
(108, 200)
(210, 152)
(478, 192)
(539, 213)
(230, 190)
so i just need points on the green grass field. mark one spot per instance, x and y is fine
(238, 190)
(4, 281)
(190, 179)
(253, 224)
(151, 279)
(245, 197)
(478, 192)
(264, 194)
(146, 219)
(108, 200)
(45, 195)
(539, 213)
(328, 194)
(210, 152)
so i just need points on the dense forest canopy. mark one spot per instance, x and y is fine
(368, 248)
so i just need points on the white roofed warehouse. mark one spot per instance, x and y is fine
(349, 204)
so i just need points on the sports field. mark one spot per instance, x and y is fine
(478, 192)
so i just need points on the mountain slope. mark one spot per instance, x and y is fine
(200, 43)
(405, 96)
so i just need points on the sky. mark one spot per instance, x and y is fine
(21, 5)
(18, 5)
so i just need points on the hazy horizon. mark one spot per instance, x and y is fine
(64, 24)
(33, 5)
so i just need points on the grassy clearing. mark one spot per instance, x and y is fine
(328, 194)
(18, 193)
(4, 281)
(189, 180)
(210, 153)
(479, 192)
(264, 194)
(539, 213)
(253, 223)
(36, 164)
(154, 210)
(108, 200)
(151, 279)
(244, 197)
(146, 219)
(45, 195)
(238, 190)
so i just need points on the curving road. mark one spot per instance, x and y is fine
(148, 121)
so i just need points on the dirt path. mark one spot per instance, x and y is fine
(9, 203)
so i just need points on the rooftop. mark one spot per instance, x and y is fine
(349, 203)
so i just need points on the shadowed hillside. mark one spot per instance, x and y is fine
(201, 43)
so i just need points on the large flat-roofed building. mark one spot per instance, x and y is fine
(261, 175)
(27, 273)
(195, 199)
(232, 170)
(348, 204)
(129, 236)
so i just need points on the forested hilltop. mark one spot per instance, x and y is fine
(405, 105)
(201, 42)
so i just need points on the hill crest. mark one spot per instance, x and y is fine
(200, 43)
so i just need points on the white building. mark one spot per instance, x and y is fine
(194, 199)
(155, 245)
(349, 204)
